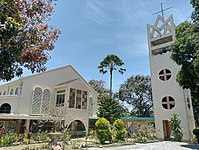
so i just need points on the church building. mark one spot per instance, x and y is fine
(29, 99)
(168, 96)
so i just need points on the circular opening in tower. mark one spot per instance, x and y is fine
(165, 74)
(168, 102)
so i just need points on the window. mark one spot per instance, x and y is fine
(72, 98)
(4, 93)
(45, 101)
(90, 107)
(168, 102)
(165, 74)
(36, 102)
(0, 93)
(188, 103)
(84, 100)
(78, 99)
(60, 98)
(11, 92)
(5, 108)
(17, 91)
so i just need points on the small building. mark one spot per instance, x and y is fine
(137, 120)
(29, 99)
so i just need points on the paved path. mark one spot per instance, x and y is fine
(165, 145)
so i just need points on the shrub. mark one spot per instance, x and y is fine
(175, 122)
(103, 130)
(9, 139)
(65, 136)
(196, 133)
(142, 139)
(119, 130)
(41, 136)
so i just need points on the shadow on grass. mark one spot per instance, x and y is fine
(191, 146)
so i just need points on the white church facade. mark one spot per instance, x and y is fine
(168, 96)
(27, 99)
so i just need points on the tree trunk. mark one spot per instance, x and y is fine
(111, 78)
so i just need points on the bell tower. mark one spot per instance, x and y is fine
(168, 96)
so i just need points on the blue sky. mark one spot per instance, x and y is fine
(92, 29)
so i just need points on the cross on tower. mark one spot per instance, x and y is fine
(162, 10)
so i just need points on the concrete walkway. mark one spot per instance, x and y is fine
(165, 145)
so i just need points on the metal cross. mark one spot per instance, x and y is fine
(162, 10)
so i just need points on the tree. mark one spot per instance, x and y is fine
(186, 54)
(137, 92)
(175, 122)
(110, 108)
(25, 36)
(99, 86)
(109, 64)
(103, 130)
(119, 130)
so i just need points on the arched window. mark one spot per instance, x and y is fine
(36, 102)
(17, 91)
(5, 108)
(4, 93)
(90, 108)
(11, 92)
(45, 101)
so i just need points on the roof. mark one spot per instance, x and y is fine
(138, 118)
(67, 82)
(22, 78)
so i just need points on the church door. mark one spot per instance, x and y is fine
(166, 129)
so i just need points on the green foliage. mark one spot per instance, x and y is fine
(185, 53)
(136, 91)
(103, 130)
(196, 133)
(175, 122)
(92, 134)
(119, 130)
(110, 109)
(143, 130)
(26, 37)
(65, 136)
(142, 139)
(9, 139)
(41, 136)
(75, 144)
(109, 64)
(99, 86)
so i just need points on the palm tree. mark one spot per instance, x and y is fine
(109, 64)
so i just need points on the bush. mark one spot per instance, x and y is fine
(141, 139)
(65, 136)
(9, 139)
(119, 131)
(196, 133)
(175, 122)
(103, 130)
(41, 136)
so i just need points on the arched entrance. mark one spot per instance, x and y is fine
(77, 129)
(5, 108)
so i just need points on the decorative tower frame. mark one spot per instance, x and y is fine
(168, 96)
